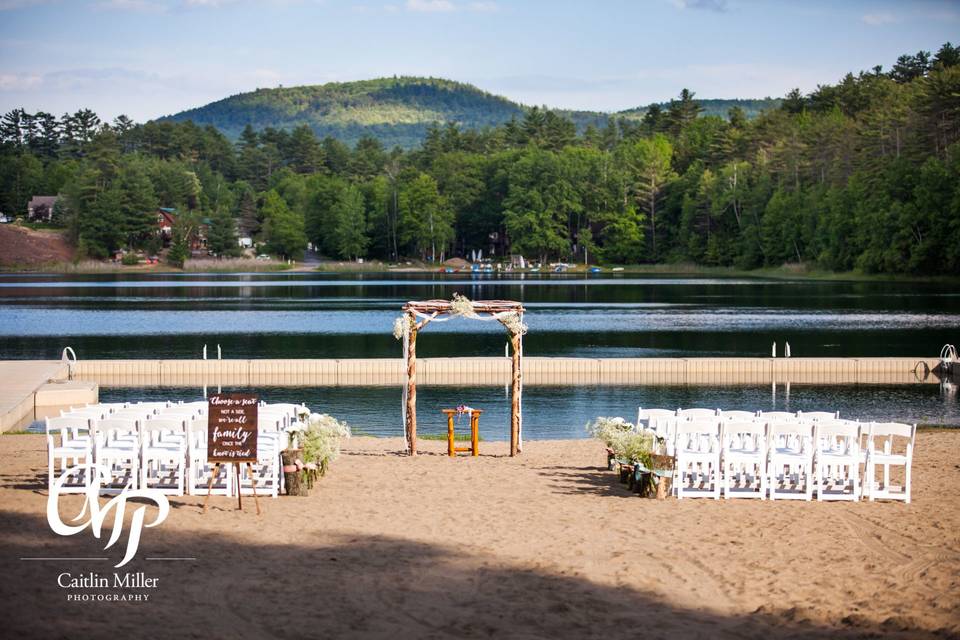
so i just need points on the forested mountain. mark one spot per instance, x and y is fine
(395, 111)
(862, 174)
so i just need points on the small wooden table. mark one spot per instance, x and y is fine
(474, 447)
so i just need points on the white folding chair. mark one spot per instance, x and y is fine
(738, 416)
(777, 416)
(117, 450)
(266, 470)
(661, 422)
(880, 445)
(697, 449)
(744, 459)
(818, 415)
(163, 455)
(68, 440)
(790, 447)
(199, 470)
(697, 414)
(837, 460)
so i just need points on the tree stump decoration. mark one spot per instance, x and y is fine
(291, 472)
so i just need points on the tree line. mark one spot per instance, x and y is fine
(861, 174)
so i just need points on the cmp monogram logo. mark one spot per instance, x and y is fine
(97, 514)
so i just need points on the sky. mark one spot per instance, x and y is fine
(148, 58)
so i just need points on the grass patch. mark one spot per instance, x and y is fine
(937, 427)
(21, 432)
(457, 437)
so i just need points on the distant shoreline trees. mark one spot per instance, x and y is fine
(862, 174)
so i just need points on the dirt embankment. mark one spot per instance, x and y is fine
(22, 247)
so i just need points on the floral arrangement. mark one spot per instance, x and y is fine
(511, 320)
(319, 437)
(620, 437)
(462, 306)
(402, 326)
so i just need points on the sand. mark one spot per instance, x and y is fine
(548, 545)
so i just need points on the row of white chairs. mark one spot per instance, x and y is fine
(781, 455)
(160, 445)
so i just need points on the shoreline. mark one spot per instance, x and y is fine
(240, 267)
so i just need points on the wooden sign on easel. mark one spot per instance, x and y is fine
(232, 438)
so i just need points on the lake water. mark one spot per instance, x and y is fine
(313, 315)
(309, 315)
(562, 412)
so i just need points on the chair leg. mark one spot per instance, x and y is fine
(906, 479)
(820, 483)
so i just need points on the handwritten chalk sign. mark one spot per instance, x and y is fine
(232, 428)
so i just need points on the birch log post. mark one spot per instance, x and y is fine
(411, 425)
(515, 396)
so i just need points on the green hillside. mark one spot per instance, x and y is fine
(397, 111)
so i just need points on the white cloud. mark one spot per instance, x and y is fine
(879, 19)
(720, 6)
(430, 6)
(18, 81)
(484, 7)
(146, 6)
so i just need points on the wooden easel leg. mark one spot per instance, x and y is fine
(216, 472)
(253, 479)
(236, 465)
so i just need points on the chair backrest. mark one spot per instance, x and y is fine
(739, 416)
(83, 414)
(699, 435)
(132, 413)
(110, 428)
(702, 427)
(153, 430)
(884, 433)
(697, 414)
(740, 434)
(164, 423)
(176, 412)
(269, 421)
(197, 434)
(73, 423)
(792, 435)
(150, 405)
(777, 416)
(818, 415)
(838, 435)
(654, 414)
(289, 408)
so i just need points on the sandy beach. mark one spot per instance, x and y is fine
(546, 545)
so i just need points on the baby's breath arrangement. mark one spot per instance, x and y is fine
(462, 306)
(626, 443)
(320, 441)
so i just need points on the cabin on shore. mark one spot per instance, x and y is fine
(166, 218)
(40, 208)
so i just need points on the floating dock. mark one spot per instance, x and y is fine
(29, 389)
(29, 386)
(496, 371)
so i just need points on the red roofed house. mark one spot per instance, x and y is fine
(41, 208)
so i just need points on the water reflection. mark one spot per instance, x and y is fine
(562, 412)
(350, 315)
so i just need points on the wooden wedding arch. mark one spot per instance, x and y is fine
(417, 315)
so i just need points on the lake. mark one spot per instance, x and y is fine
(311, 315)
(315, 315)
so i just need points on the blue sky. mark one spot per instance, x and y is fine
(148, 58)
